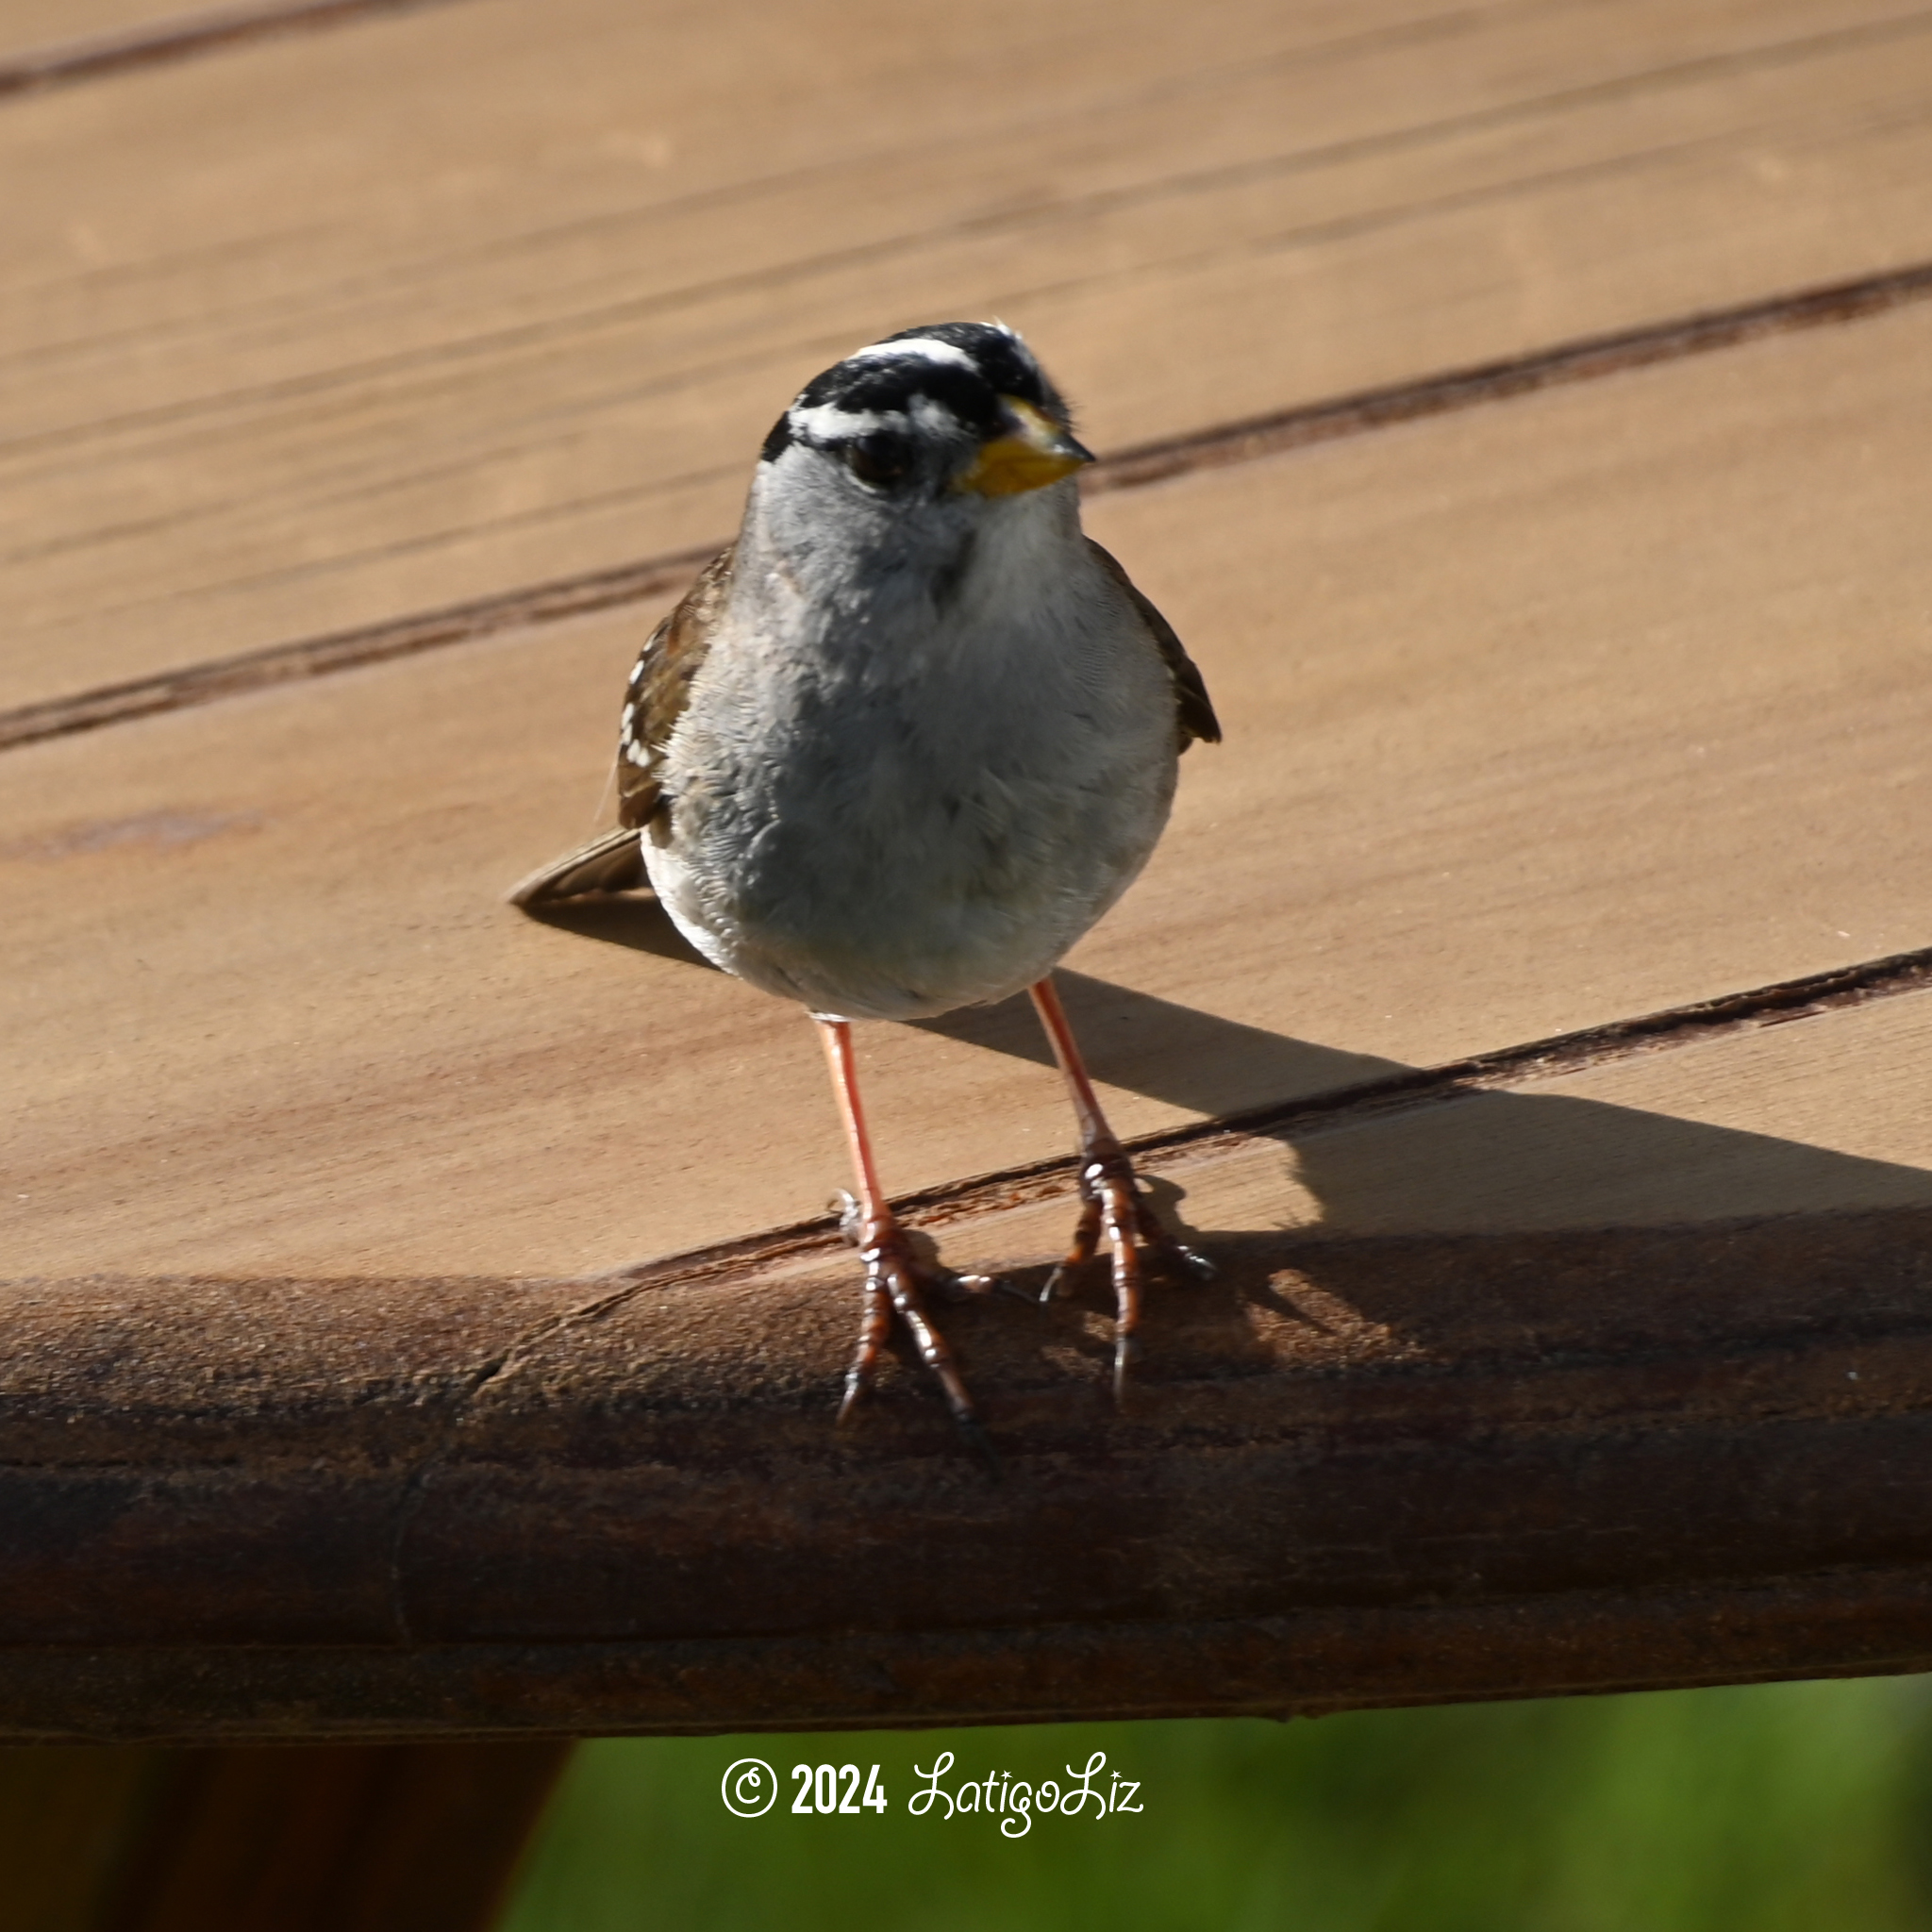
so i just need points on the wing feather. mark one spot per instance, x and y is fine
(1194, 711)
(613, 863)
(654, 700)
(660, 689)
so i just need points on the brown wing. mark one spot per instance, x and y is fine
(1194, 713)
(654, 700)
(660, 689)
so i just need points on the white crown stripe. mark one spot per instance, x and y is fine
(925, 348)
(827, 422)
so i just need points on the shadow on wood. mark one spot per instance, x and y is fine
(1612, 1441)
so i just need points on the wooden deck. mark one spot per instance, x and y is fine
(1595, 693)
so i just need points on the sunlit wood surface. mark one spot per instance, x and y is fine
(291, 341)
(1542, 713)
(32, 26)
(1538, 716)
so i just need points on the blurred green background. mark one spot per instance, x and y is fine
(1769, 1806)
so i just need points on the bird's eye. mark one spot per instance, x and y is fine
(882, 457)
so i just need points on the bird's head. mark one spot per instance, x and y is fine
(928, 427)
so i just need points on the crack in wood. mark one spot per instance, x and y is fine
(898, 246)
(1526, 1483)
(467, 1396)
(182, 38)
(1461, 389)
(1355, 415)
(1776, 1004)
(400, 637)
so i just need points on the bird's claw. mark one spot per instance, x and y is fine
(851, 1217)
(1112, 1206)
(1192, 1261)
(895, 1275)
(943, 1281)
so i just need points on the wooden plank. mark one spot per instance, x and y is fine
(66, 1817)
(372, 1838)
(358, 1838)
(1605, 1424)
(45, 45)
(1601, 702)
(1816, 1117)
(28, 27)
(297, 349)
(1844, 1623)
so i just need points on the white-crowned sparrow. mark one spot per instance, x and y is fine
(900, 746)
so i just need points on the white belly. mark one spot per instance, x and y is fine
(897, 868)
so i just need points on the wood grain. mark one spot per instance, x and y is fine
(1360, 412)
(28, 27)
(1352, 1471)
(65, 1821)
(1598, 703)
(362, 1231)
(370, 1838)
(44, 46)
(299, 348)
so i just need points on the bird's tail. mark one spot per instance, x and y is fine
(613, 863)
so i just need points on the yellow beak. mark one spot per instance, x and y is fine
(1036, 452)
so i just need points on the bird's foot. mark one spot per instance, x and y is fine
(1113, 1206)
(897, 1277)
(931, 1275)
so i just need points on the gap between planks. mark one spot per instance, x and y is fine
(1356, 414)
(1774, 1005)
(183, 38)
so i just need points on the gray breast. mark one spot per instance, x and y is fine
(887, 809)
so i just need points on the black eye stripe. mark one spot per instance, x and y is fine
(935, 394)
(894, 388)
(778, 441)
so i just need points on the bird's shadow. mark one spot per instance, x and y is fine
(1462, 1217)
(634, 919)
(1478, 1169)
(1457, 1158)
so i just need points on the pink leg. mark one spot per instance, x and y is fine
(1110, 1197)
(892, 1271)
